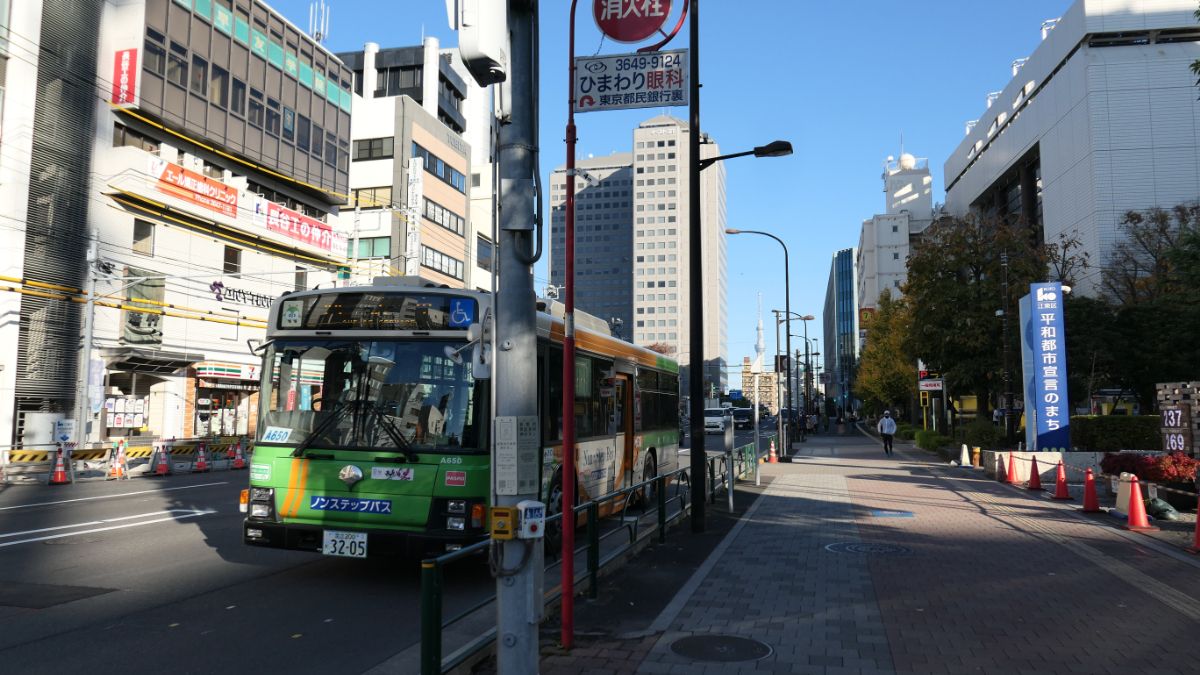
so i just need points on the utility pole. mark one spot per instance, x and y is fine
(696, 280)
(497, 41)
(83, 402)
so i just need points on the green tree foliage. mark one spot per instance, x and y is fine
(886, 370)
(955, 288)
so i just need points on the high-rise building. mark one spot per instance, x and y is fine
(1099, 120)
(768, 388)
(409, 168)
(840, 322)
(184, 160)
(653, 265)
(887, 238)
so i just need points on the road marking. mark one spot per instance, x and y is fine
(123, 494)
(179, 514)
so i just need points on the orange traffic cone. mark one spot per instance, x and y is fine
(772, 458)
(1035, 477)
(1060, 483)
(201, 464)
(239, 462)
(59, 475)
(1012, 469)
(162, 466)
(116, 463)
(1090, 503)
(1195, 547)
(1137, 510)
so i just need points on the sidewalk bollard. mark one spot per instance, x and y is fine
(593, 550)
(431, 618)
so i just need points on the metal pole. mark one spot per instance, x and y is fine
(757, 441)
(779, 426)
(83, 399)
(519, 590)
(696, 280)
(567, 475)
(431, 618)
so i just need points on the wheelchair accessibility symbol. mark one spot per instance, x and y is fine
(462, 313)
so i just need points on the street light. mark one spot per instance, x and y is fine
(772, 149)
(787, 305)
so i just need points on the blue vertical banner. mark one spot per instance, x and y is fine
(1044, 338)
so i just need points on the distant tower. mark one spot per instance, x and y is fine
(318, 20)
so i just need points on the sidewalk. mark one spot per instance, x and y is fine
(851, 562)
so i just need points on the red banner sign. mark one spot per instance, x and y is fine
(630, 20)
(304, 229)
(195, 188)
(125, 68)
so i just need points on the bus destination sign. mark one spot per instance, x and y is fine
(377, 311)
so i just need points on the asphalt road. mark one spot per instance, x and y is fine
(150, 575)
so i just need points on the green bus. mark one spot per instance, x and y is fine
(374, 432)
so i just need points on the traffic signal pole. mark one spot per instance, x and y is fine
(515, 437)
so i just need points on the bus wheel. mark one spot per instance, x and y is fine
(648, 495)
(554, 503)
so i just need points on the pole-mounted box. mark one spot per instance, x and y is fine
(482, 27)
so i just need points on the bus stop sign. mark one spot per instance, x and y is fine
(630, 20)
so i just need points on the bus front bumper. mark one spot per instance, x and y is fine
(379, 543)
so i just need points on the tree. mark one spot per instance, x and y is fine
(886, 370)
(955, 291)
(662, 348)
(1143, 266)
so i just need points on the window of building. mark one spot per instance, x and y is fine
(199, 75)
(436, 260)
(233, 260)
(330, 149)
(484, 253)
(373, 148)
(317, 135)
(371, 197)
(895, 256)
(177, 65)
(896, 284)
(375, 247)
(123, 135)
(289, 124)
(237, 98)
(143, 237)
(301, 279)
(273, 117)
(156, 52)
(219, 86)
(444, 217)
(257, 110)
(303, 129)
(895, 228)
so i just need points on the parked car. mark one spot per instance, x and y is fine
(717, 420)
(743, 418)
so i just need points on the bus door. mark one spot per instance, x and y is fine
(622, 423)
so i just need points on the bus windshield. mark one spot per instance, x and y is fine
(381, 395)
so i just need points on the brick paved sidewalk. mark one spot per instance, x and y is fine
(851, 562)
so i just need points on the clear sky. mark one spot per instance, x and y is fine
(841, 80)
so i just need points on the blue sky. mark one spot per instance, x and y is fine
(840, 80)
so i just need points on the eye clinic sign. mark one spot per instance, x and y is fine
(624, 81)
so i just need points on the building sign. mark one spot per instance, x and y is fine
(630, 20)
(193, 187)
(124, 81)
(142, 314)
(622, 81)
(1044, 357)
(225, 294)
(1176, 427)
(228, 371)
(929, 385)
(412, 212)
(301, 228)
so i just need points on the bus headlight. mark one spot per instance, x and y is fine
(260, 510)
(456, 506)
(456, 523)
(259, 494)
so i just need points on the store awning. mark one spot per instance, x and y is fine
(142, 360)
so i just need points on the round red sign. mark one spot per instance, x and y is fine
(630, 20)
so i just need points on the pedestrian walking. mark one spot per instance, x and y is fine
(887, 428)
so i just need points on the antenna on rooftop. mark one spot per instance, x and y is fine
(318, 20)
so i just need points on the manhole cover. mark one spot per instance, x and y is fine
(720, 648)
(864, 548)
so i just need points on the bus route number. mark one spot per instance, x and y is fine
(648, 62)
(452, 460)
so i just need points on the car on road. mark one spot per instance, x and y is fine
(743, 418)
(717, 420)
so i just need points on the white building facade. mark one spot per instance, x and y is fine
(886, 239)
(1100, 119)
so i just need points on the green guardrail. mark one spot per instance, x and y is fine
(433, 623)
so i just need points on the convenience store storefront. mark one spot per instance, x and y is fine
(226, 399)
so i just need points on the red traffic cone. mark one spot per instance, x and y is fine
(1012, 469)
(201, 464)
(117, 467)
(162, 466)
(772, 458)
(59, 475)
(239, 462)
(1195, 547)
(1137, 510)
(1090, 503)
(1035, 477)
(1060, 483)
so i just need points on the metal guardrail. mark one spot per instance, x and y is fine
(433, 624)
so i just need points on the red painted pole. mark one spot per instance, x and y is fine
(568, 388)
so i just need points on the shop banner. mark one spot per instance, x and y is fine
(193, 187)
(124, 81)
(303, 229)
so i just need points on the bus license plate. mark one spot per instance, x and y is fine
(345, 544)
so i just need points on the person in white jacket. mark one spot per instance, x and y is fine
(887, 428)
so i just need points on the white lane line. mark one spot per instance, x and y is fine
(5, 535)
(181, 516)
(123, 494)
